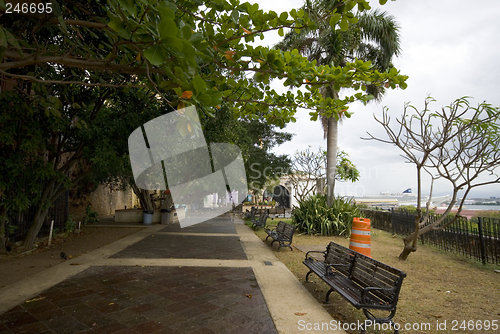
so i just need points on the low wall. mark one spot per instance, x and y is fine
(135, 216)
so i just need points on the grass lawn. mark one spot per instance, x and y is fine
(439, 286)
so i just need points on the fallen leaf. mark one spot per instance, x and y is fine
(35, 299)
(249, 296)
(299, 313)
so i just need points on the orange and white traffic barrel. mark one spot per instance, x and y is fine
(360, 236)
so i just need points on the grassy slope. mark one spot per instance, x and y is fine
(439, 286)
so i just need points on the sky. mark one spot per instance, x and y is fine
(450, 49)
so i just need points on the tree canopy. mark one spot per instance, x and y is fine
(199, 51)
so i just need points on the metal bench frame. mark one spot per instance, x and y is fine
(261, 221)
(366, 283)
(283, 233)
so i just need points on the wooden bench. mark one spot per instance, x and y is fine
(251, 214)
(276, 211)
(283, 233)
(261, 221)
(366, 283)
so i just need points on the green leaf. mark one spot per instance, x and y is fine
(155, 55)
(3, 39)
(344, 25)
(167, 28)
(199, 84)
(334, 19)
(2, 4)
(13, 41)
(281, 32)
(382, 2)
(116, 24)
(235, 15)
(172, 43)
(205, 99)
(129, 6)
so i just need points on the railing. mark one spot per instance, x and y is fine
(478, 239)
(19, 223)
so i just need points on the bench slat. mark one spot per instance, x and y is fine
(353, 273)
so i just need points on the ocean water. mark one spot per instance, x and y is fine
(482, 207)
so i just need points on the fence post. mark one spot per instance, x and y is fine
(481, 239)
(392, 221)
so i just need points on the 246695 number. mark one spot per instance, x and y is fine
(26, 8)
(474, 325)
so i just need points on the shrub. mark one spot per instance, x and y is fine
(91, 216)
(313, 216)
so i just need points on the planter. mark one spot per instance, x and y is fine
(249, 207)
(135, 216)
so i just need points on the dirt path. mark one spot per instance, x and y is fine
(16, 266)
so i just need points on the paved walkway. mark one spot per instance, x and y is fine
(214, 277)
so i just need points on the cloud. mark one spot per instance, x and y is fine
(449, 50)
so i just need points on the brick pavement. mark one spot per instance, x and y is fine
(165, 299)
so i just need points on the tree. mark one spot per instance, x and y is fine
(256, 138)
(373, 37)
(308, 172)
(54, 138)
(180, 52)
(197, 52)
(458, 143)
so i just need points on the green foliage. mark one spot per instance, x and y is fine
(70, 225)
(346, 170)
(91, 216)
(201, 48)
(313, 216)
(255, 138)
(486, 214)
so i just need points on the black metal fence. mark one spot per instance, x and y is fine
(478, 240)
(19, 223)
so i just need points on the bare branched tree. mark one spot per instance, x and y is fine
(308, 173)
(459, 143)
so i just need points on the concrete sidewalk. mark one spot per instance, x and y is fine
(214, 277)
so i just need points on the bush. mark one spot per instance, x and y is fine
(313, 216)
(91, 217)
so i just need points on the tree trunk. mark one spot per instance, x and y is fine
(168, 202)
(144, 197)
(331, 159)
(410, 246)
(38, 220)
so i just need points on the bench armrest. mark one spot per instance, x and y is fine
(322, 252)
(367, 290)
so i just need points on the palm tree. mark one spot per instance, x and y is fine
(375, 38)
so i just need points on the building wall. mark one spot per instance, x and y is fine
(104, 201)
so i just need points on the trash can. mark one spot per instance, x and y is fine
(165, 216)
(147, 217)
